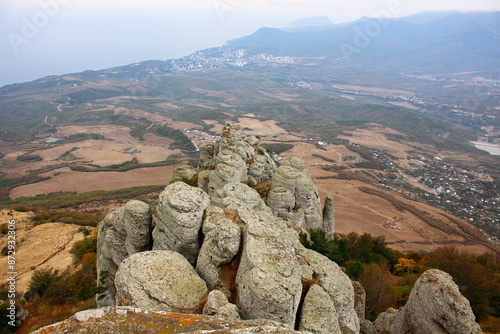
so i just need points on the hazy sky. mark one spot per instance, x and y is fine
(42, 37)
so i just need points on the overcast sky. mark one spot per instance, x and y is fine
(42, 37)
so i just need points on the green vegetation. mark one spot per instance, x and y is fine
(277, 148)
(83, 136)
(59, 200)
(29, 158)
(181, 140)
(80, 248)
(7, 184)
(42, 279)
(388, 275)
(76, 218)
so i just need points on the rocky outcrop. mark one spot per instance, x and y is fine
(187, 173)
(292, 177)
(124, 320)
(435, 306)
(234, 194)
(366, 326)
(122, 232)
(180, 217)
(218, 306)
(384, 320)
(258, 165)
(269, 275)
(338, 285)
(328, 219)
(160, 281)
(219, 247)
(318, 314)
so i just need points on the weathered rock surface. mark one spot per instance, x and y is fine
(238, 194)
(435, 306)
(269, 275)
(359, 299)
(122, 232)
(338, 285)
(208, 150)
(318, 314)
(328, 219)
(292, 176)
(384, 320)
(180, 217)
(218, 305)
(159, 280)
(219, 247)
(186, 172)
(125, 320)
(367, 327)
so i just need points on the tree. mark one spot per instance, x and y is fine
(377, 280)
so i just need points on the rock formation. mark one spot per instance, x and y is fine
(318, 313)
(123, 232)
(291, 179)
(124, 320)
(248, 258)
(159, 280)
(435, 306)
(185, 172)
(218, 305)
(328, 220)
(180, 216)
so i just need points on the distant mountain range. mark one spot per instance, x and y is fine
(442, 42)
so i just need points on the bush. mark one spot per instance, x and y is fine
(42, 279)
(80, 248)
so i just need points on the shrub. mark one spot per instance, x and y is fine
(80, 248)
(42, 279)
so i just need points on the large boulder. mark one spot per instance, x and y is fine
(123, 232)
(269, 276)
(208, 151)
(338, 285)
(237, 194)
(318, 314)
(180, 217)
(219, 247)
(161, 281)
(218, 306)
(125, 320)
(184, 173)
(435, 306)
(292, 176)
(384, 320)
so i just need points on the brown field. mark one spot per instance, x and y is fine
(217, 127)
(38, 247)
(376, 137)
(406, 105)
(138, 114)
(360, 212)
(184, 125)
(112, 132)
(348, 97)
(283, 96)
(70, 180)
(376, 90)
(265, 128)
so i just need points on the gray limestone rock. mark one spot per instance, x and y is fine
(137, 220)
(359, 299)
(384, 320)
(159, 280)
(318, 314)
(304, 191)
(367, 327)
(186, 172)
(238, 193)
(219, 247)
(282, 201)
(208, 152)
(180, 217)
(245, 151)
(212, 215)
(218, 306)
(222, 175)
(124, 320)
(328, 219)
(436, 306)
(338, 285)
(295, 163)
(269, 276)
(204, 179)
(122, 232)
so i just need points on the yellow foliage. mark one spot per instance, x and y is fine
(405, 266)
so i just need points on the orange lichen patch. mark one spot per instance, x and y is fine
(184, 319)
